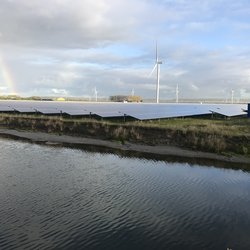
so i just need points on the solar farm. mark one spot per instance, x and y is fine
(138, 111)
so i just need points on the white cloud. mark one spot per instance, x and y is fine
(73, 46)
(3, 88)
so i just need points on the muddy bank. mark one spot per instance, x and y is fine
(65, 140)
(124, 136)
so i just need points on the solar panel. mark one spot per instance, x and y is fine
(6, 109)
(24, 109)
(109, 114)
(141, 111)
(75, 112)
(157, 111)
(47, 110)
(230, 109)
(71, 108)
(103, 109)
(168, 114)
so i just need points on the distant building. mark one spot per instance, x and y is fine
(125, 98)
(134, 98)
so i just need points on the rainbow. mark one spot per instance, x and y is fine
(6, 80)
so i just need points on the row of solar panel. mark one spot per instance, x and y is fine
(140, 111)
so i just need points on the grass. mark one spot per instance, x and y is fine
(211, 135)
(238, 127)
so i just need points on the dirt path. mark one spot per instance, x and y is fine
(65, 140)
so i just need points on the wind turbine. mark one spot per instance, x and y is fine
(232, 96)
(177, 93)
(95, 94)
(157, 67)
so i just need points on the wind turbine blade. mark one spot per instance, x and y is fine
(156, 52)
(153, 70)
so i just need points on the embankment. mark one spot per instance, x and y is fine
(140, 134)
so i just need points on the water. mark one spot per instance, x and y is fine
(61, 198)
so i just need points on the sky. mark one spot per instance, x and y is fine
(68, 48)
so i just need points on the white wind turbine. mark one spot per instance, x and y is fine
(232, 96)
(177, 93)
(157, 67)
(95, 94)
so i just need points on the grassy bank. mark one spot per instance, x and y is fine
(217, 136)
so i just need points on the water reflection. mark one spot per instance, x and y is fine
(63, 198)
(159, 157)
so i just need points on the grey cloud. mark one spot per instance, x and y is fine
(65, 23)
(66, 47)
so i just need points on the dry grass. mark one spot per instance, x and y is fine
(199, 134)
(223, 127)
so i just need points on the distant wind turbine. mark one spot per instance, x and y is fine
(157, 67)
(95, 94)
(177, 93)
(232, 96)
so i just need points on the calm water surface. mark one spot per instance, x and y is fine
(61, 198)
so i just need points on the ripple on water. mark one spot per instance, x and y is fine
(57, 198)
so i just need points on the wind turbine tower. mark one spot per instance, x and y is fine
(95, 93)
(232, 96)
(177, 93)
(157, 67)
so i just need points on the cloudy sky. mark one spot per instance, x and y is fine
(71, 47)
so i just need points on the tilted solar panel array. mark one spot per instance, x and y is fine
(157, 111)
(5, 108)
(229, 109)
(140, 111)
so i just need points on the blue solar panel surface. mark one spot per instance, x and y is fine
(141, 111)
(229, 109)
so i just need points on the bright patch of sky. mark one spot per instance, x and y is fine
(68, 48)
